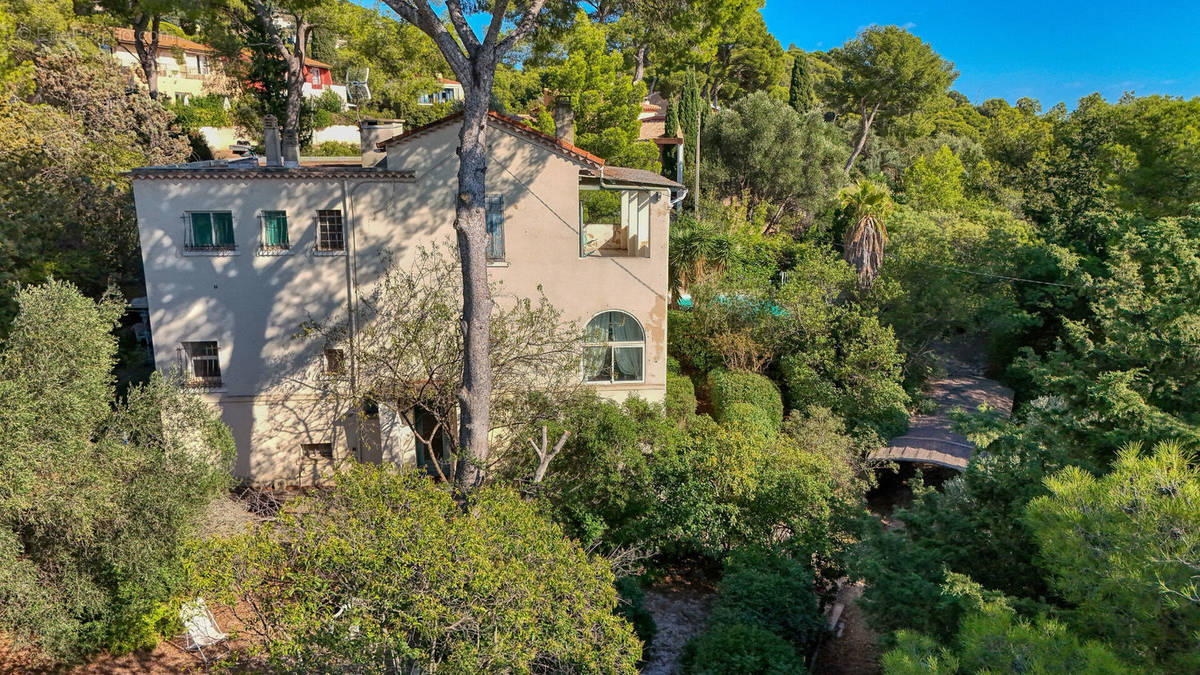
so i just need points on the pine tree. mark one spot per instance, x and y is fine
(800, 96)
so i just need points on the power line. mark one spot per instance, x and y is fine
(983, 274)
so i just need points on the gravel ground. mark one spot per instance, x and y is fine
(679, 613)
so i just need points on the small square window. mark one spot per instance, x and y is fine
(202, 363)
(330, 233)
(335, 362)
(317, 450)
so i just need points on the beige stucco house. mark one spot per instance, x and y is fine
(185, 68)
(238, 254)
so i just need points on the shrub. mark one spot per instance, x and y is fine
(750, 418)
(599, 487)
(767, 590)
(726, 388)
(681, 397)
(739, 649)
(98, 498)
(686, 344)
(335, 149)
(631, 605)
(387, 568)
(673, 367)
(722, 488)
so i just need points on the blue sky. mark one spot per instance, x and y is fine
(1051, 50)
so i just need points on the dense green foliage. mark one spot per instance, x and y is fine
(727, 389)
(680, 400)
(731, 649)
(386, 569)
(98, 501)
(994, 639)
(1121, 549)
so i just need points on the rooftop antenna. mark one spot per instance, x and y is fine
(358, 91)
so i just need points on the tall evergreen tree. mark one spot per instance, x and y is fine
(800, 94)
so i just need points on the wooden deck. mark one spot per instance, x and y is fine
(931, 438)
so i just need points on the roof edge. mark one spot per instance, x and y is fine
(514, 125)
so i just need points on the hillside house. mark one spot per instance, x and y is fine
(238, 254)
(185, 68)
(449, 91)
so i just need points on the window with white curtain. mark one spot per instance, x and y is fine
(614, 348)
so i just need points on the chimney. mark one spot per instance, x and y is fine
(564, 120)
(291, 148)
(371, 133)
(271, 140)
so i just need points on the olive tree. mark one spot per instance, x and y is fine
(386, 572)
(409, 346)
(98, 500)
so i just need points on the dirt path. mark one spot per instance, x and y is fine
(680, 613)
(856, 650)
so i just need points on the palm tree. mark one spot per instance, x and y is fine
(697, 251)
(868, 204)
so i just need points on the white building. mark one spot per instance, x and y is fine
(238, 254)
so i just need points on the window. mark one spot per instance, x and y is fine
(275, 230)
(182, 98)
(330, 235)
(495, 227)
(335, 361)
(202, 364)
(202, 64)
(613, 348)
(317, 450)
(316, 77)
(614, 222)
(210, 231)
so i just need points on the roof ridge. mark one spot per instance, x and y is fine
(514, 124)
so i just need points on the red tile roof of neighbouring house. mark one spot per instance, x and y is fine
(165, 41)
(510, 124)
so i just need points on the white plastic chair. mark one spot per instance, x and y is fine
(201, 628)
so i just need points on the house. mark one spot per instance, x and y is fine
(653, 117)
(238, 254)
(318, 79)
(451, 90)
(185, 68)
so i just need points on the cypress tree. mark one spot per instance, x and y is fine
(800, 95)
(672, 121)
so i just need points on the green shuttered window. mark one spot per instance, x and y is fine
(495, 227)
(210, 231)
(275, 230)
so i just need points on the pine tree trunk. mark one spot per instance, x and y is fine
(639, 64)
(295, 77)
(147, 53)
(474, 398)
(867, 119)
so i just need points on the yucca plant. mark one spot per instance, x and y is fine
(868, 204)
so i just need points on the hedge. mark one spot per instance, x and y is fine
(751, 418)
(726, 388)
(739, 649)
(681, 397)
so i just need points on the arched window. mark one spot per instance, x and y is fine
(613, 348)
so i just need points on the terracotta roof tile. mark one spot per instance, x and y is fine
(165, 41)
